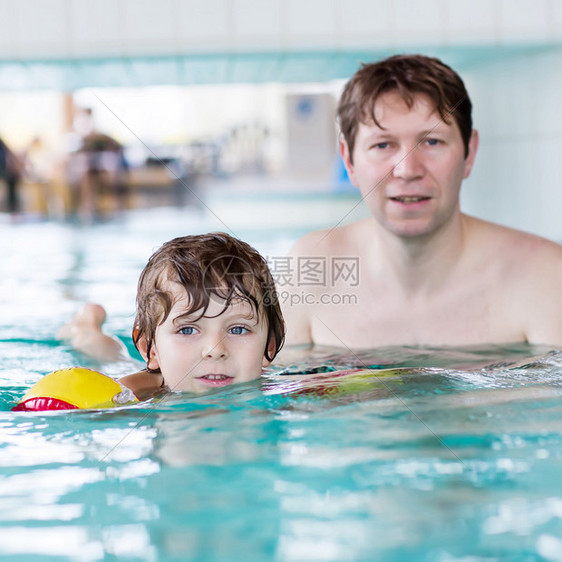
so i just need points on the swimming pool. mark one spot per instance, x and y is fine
(454, 461)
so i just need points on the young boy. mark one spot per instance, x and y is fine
(207, 317)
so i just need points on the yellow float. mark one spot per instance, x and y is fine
(75, 388)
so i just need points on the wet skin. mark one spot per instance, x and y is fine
(221, 348)
(410, 169)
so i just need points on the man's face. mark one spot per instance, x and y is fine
(197, 354)
(410, 169)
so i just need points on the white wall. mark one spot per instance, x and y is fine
(517, 179)
(311, 135)
(67, 29)
(495, 44)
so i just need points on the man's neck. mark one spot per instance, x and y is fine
(422, 265)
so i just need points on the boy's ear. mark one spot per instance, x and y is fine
(270, 352)
(142, 346)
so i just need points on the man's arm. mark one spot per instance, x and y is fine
(297, 323)
(295, 312)
(543, 303)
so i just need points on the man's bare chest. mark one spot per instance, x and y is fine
(472, 315)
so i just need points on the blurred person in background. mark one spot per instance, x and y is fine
(97, 167)
(11, 169)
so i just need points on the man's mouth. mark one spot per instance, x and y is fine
(410, 199)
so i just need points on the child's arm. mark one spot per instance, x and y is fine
(144, 385)
(84, 333)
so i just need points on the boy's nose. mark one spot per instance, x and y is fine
(409, 165)
(215, 348)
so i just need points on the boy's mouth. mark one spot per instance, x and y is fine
(216, 379)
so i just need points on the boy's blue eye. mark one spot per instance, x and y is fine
(187, 330)
(432, 142)
(238, 330)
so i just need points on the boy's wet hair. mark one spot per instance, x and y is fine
(408, 75)
(208, 266)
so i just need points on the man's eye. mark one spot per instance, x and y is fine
(187, 330)
(381, 145)
(432, 142)
(238, 330)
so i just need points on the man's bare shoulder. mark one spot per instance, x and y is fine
(525, 274)
(299, 300)
(330, 241)
(516, 247)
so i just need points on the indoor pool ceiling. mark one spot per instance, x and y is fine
(58, 44)
(228, 68)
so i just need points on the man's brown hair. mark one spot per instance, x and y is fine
(207, 265)
(409, 75)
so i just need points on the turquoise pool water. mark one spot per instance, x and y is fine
(445, 459)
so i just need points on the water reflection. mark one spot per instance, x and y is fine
(453, 452)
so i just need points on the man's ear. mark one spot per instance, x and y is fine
(346, 157)
(142, 346)
(270, 352)
(472, 149)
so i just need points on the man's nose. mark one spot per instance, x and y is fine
(214, 347)
(409, 165)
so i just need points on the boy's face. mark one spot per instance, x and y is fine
(410, 171)
(213, 351)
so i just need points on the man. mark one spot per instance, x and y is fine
(425, 273)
